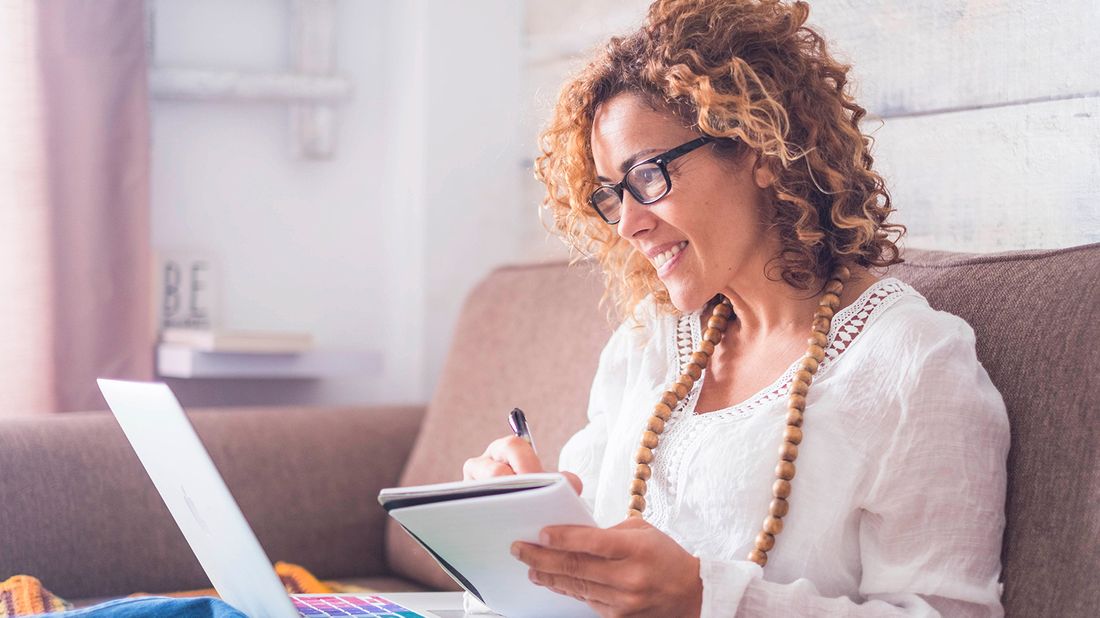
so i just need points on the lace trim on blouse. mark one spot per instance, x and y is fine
(685, 427)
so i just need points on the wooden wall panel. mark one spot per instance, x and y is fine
(933, 55)
(1024, 176)
(991, 138)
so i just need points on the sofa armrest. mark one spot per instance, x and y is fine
(80, 513)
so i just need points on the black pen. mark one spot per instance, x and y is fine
(518, 422)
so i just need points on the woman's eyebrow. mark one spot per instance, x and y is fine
(630, 161)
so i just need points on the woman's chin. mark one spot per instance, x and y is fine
(687, 302)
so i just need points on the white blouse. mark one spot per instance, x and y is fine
(897, 508)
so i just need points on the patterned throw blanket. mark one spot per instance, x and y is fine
(23, 595)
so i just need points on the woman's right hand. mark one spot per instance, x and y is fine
(507, 456)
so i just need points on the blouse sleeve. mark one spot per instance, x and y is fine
(931, 523)
(583, 452)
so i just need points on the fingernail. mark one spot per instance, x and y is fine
(515, 549)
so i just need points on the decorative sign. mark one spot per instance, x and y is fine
(188, 290)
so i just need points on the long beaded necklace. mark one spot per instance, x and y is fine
(796, 406)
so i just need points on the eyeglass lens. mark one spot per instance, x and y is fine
(646, 182)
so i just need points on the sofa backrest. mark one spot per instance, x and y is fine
(530, 336)
(1036, 315)
(527, 337)
(78, 511)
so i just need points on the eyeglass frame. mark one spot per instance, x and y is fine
(662, 160)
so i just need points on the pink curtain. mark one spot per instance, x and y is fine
(74, 202)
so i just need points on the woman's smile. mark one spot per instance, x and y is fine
(667, 259)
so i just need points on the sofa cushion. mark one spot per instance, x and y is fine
(527, 337)
(1036, 315)
(80, 513)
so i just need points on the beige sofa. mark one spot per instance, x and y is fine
(78, 512)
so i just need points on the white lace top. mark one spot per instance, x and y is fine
(898, 504)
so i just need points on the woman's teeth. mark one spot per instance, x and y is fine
(660, 259)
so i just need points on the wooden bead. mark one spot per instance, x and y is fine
(758, 557)
(842, 273)
(650, 440)
(717, 322)
(637, 487)
(723, 310)
(670, 399)
(707, 348)
(794, 418)
(712, 335)
(642, 471)
(662, 411)
(779, 507)
(700, 359)
(681, 390)
(772, 525)
(793, 434)
(764, 541)
(643, 455)
(634, 513)
(809, 364)
(781, 489)
(788, 451)
(821, 325)
(655, 424)
(693, 370)
(834, 286)
(819, 339)
(685, 380)
(804, 376)
(816, 352)
(637, 503)
(824, 311)
(799, 388)
(830, 300)
(784, 470)
(796, 402)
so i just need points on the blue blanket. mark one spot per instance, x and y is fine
(160, 607)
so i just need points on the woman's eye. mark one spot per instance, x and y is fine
(647, 175)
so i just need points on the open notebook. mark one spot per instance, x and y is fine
(469, 527)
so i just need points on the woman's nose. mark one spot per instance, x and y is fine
(634, 218)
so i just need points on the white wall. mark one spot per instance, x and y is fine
(472, 191)
(375, 249)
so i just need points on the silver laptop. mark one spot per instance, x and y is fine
(209, 517)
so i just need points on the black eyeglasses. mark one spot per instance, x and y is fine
(648, 181)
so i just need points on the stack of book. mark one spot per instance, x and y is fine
(245, 342)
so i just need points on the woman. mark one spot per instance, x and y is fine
(713, 163)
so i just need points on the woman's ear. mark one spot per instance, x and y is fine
(762, 174)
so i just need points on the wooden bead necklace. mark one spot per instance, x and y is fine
(796, 405)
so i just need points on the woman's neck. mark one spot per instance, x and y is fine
(766, 308)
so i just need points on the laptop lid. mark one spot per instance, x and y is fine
(197, 497)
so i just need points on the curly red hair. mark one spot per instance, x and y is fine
(745, 69)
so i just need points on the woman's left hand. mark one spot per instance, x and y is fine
(632, 569)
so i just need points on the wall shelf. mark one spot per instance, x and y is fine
(179, 361)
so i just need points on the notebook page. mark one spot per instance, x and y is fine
(474, 536)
